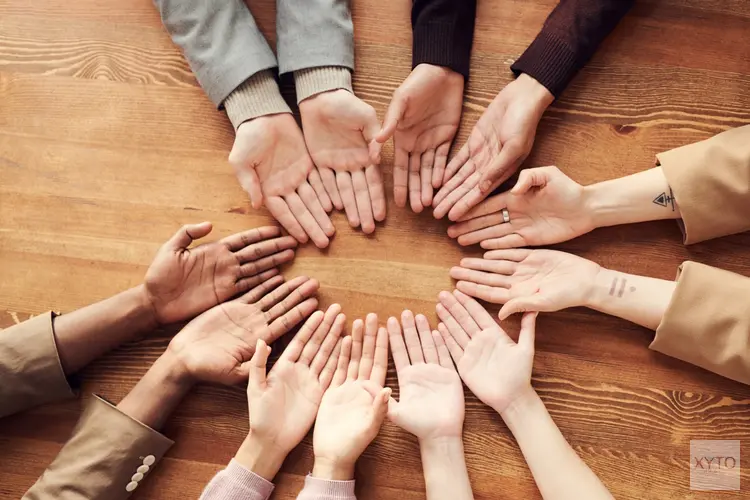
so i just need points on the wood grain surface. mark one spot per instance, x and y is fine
(108, 144)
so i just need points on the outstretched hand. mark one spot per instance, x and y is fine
(217, 345)
(496, 369)
(545, 207)
(272, 164)
(340, 133)
(498, 144)
(183, 282)
(422, 118)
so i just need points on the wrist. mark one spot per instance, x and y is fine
(604, 287)
(333, 469)
(441, 445)
(535, 92)
(520, 407)
(146, 307)
(260, 457)
(603, 205)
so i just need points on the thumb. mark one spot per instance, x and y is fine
(370, 132)
(380, 402)
(250, 182)
(187, 233)
(394, 114)
(502, 167)
(533, 177)
(520, 305)
(394, 408)
(257, 368)
(528, 331)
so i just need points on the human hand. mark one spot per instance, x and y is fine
(272, 164)
(339, 131)
(354, 407)
(182, 282)
(545, 206)
(431, 399)
(498, 144)
(422, 118)
(496, 369)
(217, 345)
(528, 280)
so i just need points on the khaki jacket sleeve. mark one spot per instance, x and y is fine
(711, 182)
(707, 322)
(107, 456)
(30, 369)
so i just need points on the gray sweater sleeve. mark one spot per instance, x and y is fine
(220, 40)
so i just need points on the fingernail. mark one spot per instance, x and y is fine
(387, 394)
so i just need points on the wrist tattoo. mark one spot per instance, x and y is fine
(665, 200)
(618, 286)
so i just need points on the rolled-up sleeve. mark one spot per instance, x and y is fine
(707, 322)
(710, 181)
(30, 370)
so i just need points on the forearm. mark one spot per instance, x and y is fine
(559, 472)
(639, 299)
(444, 465)
(85, 334)
(158, 393)
(639, 197)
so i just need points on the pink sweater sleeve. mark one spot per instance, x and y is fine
(322, 489)
(237, 483)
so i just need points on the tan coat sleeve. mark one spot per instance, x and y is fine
(30, 369)
(107, 456)
(711, 182)
(707, 322)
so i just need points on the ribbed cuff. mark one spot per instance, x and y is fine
(442, 44)
(312, 81)
(328, 489)
(549, 61)
(257, 96)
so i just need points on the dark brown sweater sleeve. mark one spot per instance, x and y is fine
(569, 37)
(443, 31)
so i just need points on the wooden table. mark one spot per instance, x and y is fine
(107, 145)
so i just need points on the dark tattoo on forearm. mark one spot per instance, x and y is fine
(665, 199)
(618, 286)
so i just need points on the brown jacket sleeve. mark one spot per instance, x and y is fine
(30, 369)
(711, 182)
(107, 456)
(707, 322)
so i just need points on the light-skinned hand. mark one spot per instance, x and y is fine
(545, 207)
(183, 282)
(496, 369)
(217, 345)
(528, 280)
(422, 118)
(340, 131)
(272, 164)
(431, 398)
(498, 144)
(354, 407)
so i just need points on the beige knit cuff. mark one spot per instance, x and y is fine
(312, 81)
(257, 96)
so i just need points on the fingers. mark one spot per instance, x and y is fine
(454, 166)
(239, 241)
(471, 197)
(528, 331)
(438, 170)
(377, 191)
(454, 348)
(186, 234)
(261, 290)
(287, 296)
(415, 187)
(346, 189)
(459, 313)
(454, 190)
(252, 268)
(328, 178)
(507, 162)
(476, 311)
(257, 369)
(364, 204)
(489, 279)
(329, 369)
(245, 284)
(411, 338)
(319, 333)
(358, 334)
(280, 211)
(498, 230)
(380, 360)
(530, 303)
(425, 338)
(514, 255)
(449, 322)
(494, 266)
(514, 240)
(396, 341)
(400, 176)
(327, 357)
(425, 174)
(343, 363)
(249, 180)
(393, 115)
(368, 347)
(316, 182)
(444, 356)
(472, 225)
(291, 318)
(489, 206)
(491, 294)
(307, 221)
(380, 404)
(295, 348)
(310, 199)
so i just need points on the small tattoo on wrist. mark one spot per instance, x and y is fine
(665, 200)
(618, 287)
